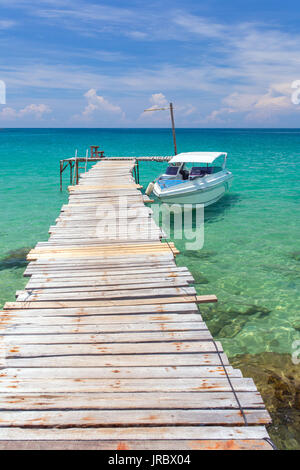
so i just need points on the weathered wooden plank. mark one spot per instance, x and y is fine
(87, 320)
(91, 281)
(121, 372)
(178, 384)
(174, 444)
(123, 400)
(114, 328)
(50, 265)
(141, 256)
(85, 294)
(91, 223)
(28, 350)
(158, 311)
(103, 249)
(117, 271)
(140, 433)
(108, 303)
(117, 360)
(100, 188)
(119, 287)
(83, 338)
(80, 240)
(101, 418)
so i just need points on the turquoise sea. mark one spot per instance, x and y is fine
(251, 253)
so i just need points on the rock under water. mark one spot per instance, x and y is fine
(227, 321)
(295, 255)
(201, 254)
(278, 381)
(15, 259)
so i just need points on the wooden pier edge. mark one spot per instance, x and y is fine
(105, 347)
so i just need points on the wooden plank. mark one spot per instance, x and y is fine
(107, 281)
(101, 260)
(141, 263)
(102, 385)
(121, 372)
(149, 327)
(98, 287)
(100, 188)
(158, 311)
(79, 295)
(174, 444)
(83, 338)
(27, 350)
(22, 319)
(123, 400)
(117, 360)
(80, 240)
(108, 303)
(101, 418)
(125, 271)
(140, 433)
(133, 248)
(50, 267)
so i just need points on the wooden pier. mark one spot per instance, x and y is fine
(106, 349)
(74, 165)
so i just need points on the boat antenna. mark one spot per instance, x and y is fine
(170, 107)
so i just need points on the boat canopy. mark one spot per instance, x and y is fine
(197, 157)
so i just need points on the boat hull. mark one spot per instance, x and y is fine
(206, 195)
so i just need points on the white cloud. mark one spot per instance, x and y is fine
(158, 100)
(98, 103)
(139, 35)
(200, 25)
(8, 113)
(37, 111)
(6, 24)
(274, 102)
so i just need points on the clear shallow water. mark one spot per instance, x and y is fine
(251, 254)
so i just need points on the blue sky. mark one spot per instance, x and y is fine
(71, 63)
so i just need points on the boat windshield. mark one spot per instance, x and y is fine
(200, 171)
(172, 170)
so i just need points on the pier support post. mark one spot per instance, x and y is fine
(77, 175)
(60, 173)
(71, 171)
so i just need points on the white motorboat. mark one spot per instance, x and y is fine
(194, 178)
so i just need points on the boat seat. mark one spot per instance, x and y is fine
(197, 171)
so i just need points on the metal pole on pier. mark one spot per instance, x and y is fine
(173, 128)
(170, 107)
